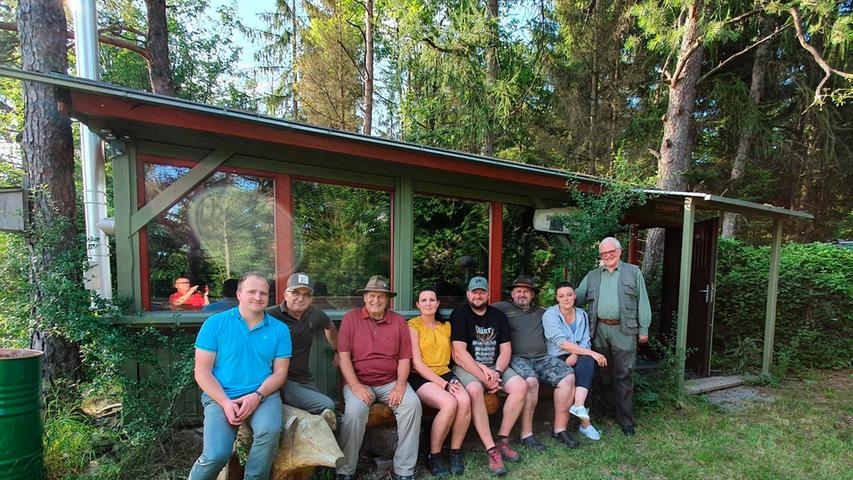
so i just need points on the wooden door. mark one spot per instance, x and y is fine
(702, 287)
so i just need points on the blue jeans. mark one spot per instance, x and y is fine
(219, 436)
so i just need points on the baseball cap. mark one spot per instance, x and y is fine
(299, 280)
(478, 283)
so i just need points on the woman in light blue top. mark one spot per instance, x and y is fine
(567, 337)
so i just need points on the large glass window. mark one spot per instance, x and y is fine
(451, 245)
(342, 236)
(528, 252)
(220, 230)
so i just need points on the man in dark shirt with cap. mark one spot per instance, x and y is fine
(304, 321)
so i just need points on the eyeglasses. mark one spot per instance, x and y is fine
(608, 253)
(300, 295)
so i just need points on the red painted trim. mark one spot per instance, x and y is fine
(633, 244)
(144, 282)
(88, 104)
(496, 237)
(284, 247)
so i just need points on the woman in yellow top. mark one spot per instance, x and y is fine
(436, 386)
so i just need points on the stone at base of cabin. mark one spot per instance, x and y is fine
(381, 441)
(189, 440)
(307, 441)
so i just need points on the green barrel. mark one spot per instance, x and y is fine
(21, 454)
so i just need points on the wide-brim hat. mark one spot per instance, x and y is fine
(524, 281)
(378, 283)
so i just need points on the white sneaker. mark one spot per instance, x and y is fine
(579, 411)
(590, 432)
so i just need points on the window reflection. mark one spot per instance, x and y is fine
(218, 231)
(451, 245)
(342, 236)
(528, 252)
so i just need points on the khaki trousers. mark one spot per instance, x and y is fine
(354, 421)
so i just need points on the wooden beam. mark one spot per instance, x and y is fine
(402, 228)
(496, 235)
(684, 290)
(284, 248)
(633, 241)
(171, 195)
(772, 292)
(124, 186)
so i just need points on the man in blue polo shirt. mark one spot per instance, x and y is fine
(241, 361)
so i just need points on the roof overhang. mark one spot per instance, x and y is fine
(97, 104)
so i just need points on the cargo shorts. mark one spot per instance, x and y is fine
(547, 369)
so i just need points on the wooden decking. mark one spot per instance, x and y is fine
(709, 384)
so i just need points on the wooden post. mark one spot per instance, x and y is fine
(633, 241)
(684, 290)
(496, 236)
(284, 248)
(772, 292)
(402, 228)
(124, 196)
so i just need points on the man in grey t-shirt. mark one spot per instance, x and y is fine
(304, 321)
(530, 359)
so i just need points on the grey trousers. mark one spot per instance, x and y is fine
(306, 396)
(616, 381)
(354, 421)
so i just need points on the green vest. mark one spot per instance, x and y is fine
(628, 295)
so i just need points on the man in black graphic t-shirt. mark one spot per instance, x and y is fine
(481, 351)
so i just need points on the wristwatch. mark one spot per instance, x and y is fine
(260, 395)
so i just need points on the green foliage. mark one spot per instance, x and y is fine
(595, 217)
(75, 448)
(814, 321)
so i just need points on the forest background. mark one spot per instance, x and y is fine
(745, 99)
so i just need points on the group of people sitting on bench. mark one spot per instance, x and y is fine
(250, 359)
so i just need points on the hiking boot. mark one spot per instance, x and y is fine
(457, 462)
(533, 443)
(567, 439)
(589, 432)
(628, 430)
(580, 411)
(435, 465)
(496, 463)
(508, 453)
(341, 476)
(404, 477)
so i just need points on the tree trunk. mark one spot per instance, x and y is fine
(48, 151)
(677, 145)
(159, 69)
(756, 88)
(294, 52)
(368, 67)
(491, 72)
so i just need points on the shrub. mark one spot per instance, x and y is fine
(814, 319)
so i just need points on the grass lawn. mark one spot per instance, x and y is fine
(806, 431)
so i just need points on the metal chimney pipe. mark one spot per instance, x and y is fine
(98, 277)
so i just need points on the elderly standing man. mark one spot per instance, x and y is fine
(241, 361)
(615, 297)
(304, 321)
(531, 360)
(375, 354)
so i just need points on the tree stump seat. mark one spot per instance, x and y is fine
(381, 415)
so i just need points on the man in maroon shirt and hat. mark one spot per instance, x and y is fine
(375, 354)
